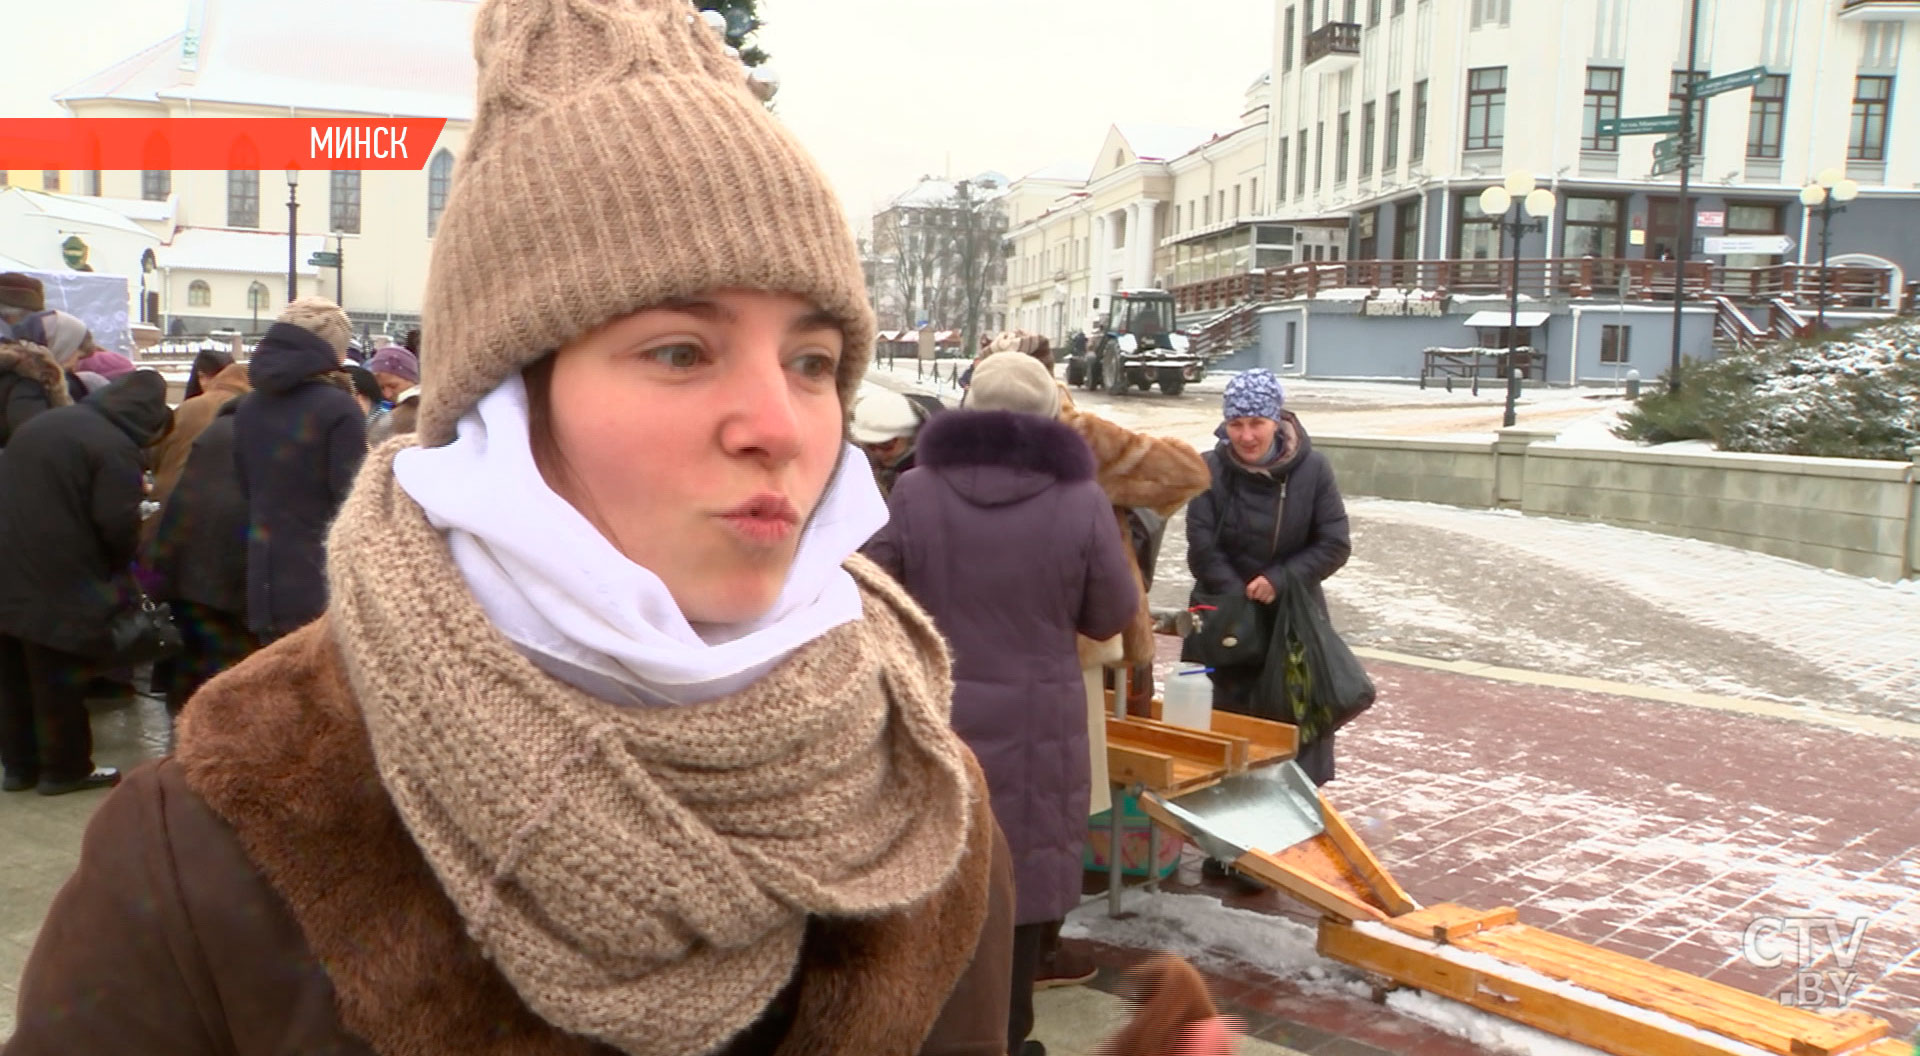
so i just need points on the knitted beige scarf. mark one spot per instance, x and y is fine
(643, 876)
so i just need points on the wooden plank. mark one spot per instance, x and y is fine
(1711, 1006)
(1446, 922)
(1128, 766)
(1314, 872)
(1239, 747)
(1388, 894)
(1278, 739)
(1610, 1030)
(1181, 743)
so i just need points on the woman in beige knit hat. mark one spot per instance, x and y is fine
(607, 742)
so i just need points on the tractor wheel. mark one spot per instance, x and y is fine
(1076, 371)
(1093, 373)
(1143, 382)
(1116, 374)
(1173, 381)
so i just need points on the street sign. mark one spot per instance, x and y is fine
(1761, 245)
(1662, 166)
(1728, 82)
(1710, 218)
(1639, 126)
(324, 259)
(1667, 148)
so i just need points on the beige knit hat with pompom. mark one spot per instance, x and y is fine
(618, 159)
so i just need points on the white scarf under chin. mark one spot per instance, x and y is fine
(578, 607)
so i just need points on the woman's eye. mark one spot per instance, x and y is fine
(816, 365)
(678, 357)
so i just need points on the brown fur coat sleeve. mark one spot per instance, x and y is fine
(1134, 469)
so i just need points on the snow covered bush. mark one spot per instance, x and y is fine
(1855, 394)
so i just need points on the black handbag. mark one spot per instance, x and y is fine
(143, 632)
(1229, 630)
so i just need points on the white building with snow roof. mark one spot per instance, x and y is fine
(924, 239)
(222, 261)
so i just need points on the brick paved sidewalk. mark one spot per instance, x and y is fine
(1659, 830)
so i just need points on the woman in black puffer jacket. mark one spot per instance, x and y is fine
(1273, 506)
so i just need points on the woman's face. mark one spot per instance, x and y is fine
(1252, 438)
(391, 385)
(699, 437)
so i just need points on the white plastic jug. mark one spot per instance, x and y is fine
(1188, 699)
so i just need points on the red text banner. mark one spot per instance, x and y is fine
(188, 143)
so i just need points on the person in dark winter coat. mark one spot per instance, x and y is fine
(1002, 534)
(1273, 505)
(199, 555)
(72, 481)
(30, 382)
(299, 440)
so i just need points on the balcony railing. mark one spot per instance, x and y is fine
(1573, 277)
(1334, 38)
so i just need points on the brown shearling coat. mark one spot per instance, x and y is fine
(190, 419)
(259, 894)
(1136, 470)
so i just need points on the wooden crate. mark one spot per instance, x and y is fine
(1520, 973)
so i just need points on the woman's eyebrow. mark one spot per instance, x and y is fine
(712, 311)
(817, 320)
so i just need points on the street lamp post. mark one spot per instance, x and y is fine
(293, 233)
(1829, 187)
(1516, 193)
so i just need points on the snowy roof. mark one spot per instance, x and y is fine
(135, 208)
(76, 210)
(274, 53)
(248, 252)
(1060, 171)
(931, 193)
(1163, 142)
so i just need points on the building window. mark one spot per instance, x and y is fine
(1253, 194)
(439, 182)
(1479, 234)
(1867, 136)
(50, 179)
(94, 183)
(1206, 210)
(1390, 153)
(243, 198)
(1491, 12)
(1319, 154)
(1613, 343)
(1352, 11)
(1602, 104)
(1236, 201)
(1593, 227)
(257, 298)
(1342, 141)
(1286, 41)
(156, 184)
(1282, 174)
(1367, 130)
(1486, 108)
(1300, 167)
(1373, 13)
(1765, 116)
(1417, 144)
(3, 178)
(199, 294)
(343, 202)
(1399, 8)
(1677, 96)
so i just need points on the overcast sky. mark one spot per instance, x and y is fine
(883, 91)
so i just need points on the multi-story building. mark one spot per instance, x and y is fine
(936, 246)
(1361, 157)
(222, 257)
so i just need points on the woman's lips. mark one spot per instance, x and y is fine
(767, 519)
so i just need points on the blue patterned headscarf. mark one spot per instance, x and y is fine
(1254, 394)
